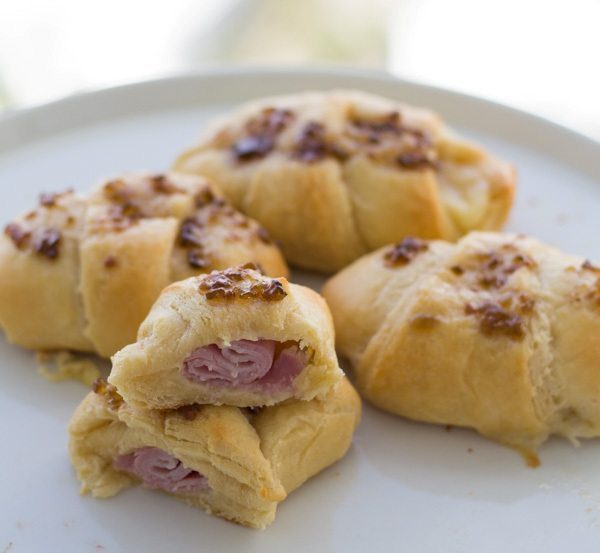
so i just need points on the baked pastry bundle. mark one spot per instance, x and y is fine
(497, 332)
(234, 463)
(230, 398)
(334, 175)
(233, 337)
(81, 273)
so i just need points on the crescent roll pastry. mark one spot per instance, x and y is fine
(334, 175)
(81, 273)
(231, 337)
(231, 462)
(497, 332)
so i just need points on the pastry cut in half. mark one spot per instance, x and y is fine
(232, 337)
(498, 332)
(81, 272)
(234, 463)
(334, 175)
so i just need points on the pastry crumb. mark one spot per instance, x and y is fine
(531, 459)
(108, 392)
(64, 365)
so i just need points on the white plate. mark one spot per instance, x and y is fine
(403, 486)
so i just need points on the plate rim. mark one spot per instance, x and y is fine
(20, 126)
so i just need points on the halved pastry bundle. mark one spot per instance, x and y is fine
(81, 273)
(334, 175)
(498, 332)
(232, 337)
(183, 411)
(234, 463)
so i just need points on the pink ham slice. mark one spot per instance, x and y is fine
(159, 470)
(252, 364)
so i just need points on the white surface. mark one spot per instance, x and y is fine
(403, 486)
(507, 51)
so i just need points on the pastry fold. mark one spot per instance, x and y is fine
(497, 332)
(81, 273)
(233, 337)
(234, 463)
(334, 175)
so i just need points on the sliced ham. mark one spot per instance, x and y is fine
(286, 367)
(159, 470)
(245, 363)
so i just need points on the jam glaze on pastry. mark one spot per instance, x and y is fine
(497, 332)
(334, 175)
(232, 337)
(81, 273)
(234, 463)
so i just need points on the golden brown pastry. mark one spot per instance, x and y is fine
(82, 273)
(497, 332)
(231, 337)
(334, 175)
(234, 463)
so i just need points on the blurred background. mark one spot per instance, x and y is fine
(538, 55)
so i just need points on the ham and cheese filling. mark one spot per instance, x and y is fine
(159, 470)
(256, 364)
